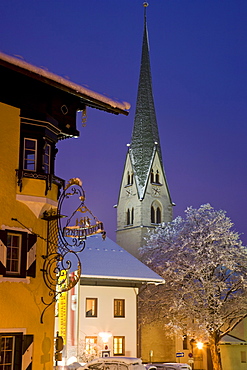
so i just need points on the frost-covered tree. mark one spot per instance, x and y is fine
(204, 265)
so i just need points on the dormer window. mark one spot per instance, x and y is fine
(30, 154)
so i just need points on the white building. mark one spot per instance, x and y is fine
(102, 317)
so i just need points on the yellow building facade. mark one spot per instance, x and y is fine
(37, 108)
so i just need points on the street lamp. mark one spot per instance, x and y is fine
(105, 335)
(200, 347)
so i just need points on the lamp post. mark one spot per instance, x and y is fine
(199, 345)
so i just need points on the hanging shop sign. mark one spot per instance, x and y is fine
(66, 240)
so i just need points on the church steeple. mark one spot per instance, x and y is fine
(145, 135)
(144, 200)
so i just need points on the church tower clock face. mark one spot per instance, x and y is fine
(144, 199)
(155, 191)
(128, 191)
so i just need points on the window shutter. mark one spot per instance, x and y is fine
(18, 351)
(23, 272)
(31, 255)
(27, 352)
(3, 251)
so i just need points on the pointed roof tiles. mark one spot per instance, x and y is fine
(145, 135)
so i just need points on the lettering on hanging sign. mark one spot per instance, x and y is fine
(83, 232)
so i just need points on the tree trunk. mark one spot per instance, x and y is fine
(215, 354)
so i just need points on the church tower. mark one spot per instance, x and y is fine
(144, 199)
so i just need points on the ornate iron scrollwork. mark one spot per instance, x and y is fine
(66, 238)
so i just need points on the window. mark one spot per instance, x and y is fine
(118, 346)
(152, 176)
(243, 357)
(13, 261)
(152, 215)
(47, 158)
(129, 178)
(157, 177)
(158, 215)
(130, 216)
(91, 345)
(30, 154)
(155, 213)
(7, 352)
(12, 345)
(91, 307)
(119, 308)
(185, 342)
(18, 254)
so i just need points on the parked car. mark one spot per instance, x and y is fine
(114, 363)
(168, 366)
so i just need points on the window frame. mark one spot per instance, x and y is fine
(156, 213)
(118, 345)
(91, 345)
(119, 307)
(47, 166)
(25, 149)
(94, 309)
(27, 254)
(11, 247)
(16, 355)
(243, 357)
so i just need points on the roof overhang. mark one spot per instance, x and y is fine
(117, 281)
(89, 97)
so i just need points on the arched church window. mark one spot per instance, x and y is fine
(152, 176)
(152, 215)
(132, 178)
(158, 215)
(128, 217)
(129, 178)
(157, 177)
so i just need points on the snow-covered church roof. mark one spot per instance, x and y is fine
(106, 259)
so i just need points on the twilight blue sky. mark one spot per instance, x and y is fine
(198, 51)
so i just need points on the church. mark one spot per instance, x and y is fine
(145, 202)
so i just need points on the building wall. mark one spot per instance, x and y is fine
(105, 321)
(20, 298)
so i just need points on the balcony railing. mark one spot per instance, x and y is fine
(49, 179)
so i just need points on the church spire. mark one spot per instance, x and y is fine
(145, 135)
(144, 200)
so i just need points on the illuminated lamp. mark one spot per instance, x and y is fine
(105, 335)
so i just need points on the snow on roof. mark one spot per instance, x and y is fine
(106, 259)
(230, 339)
(76, 89)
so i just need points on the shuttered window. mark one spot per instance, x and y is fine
(17, 254)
